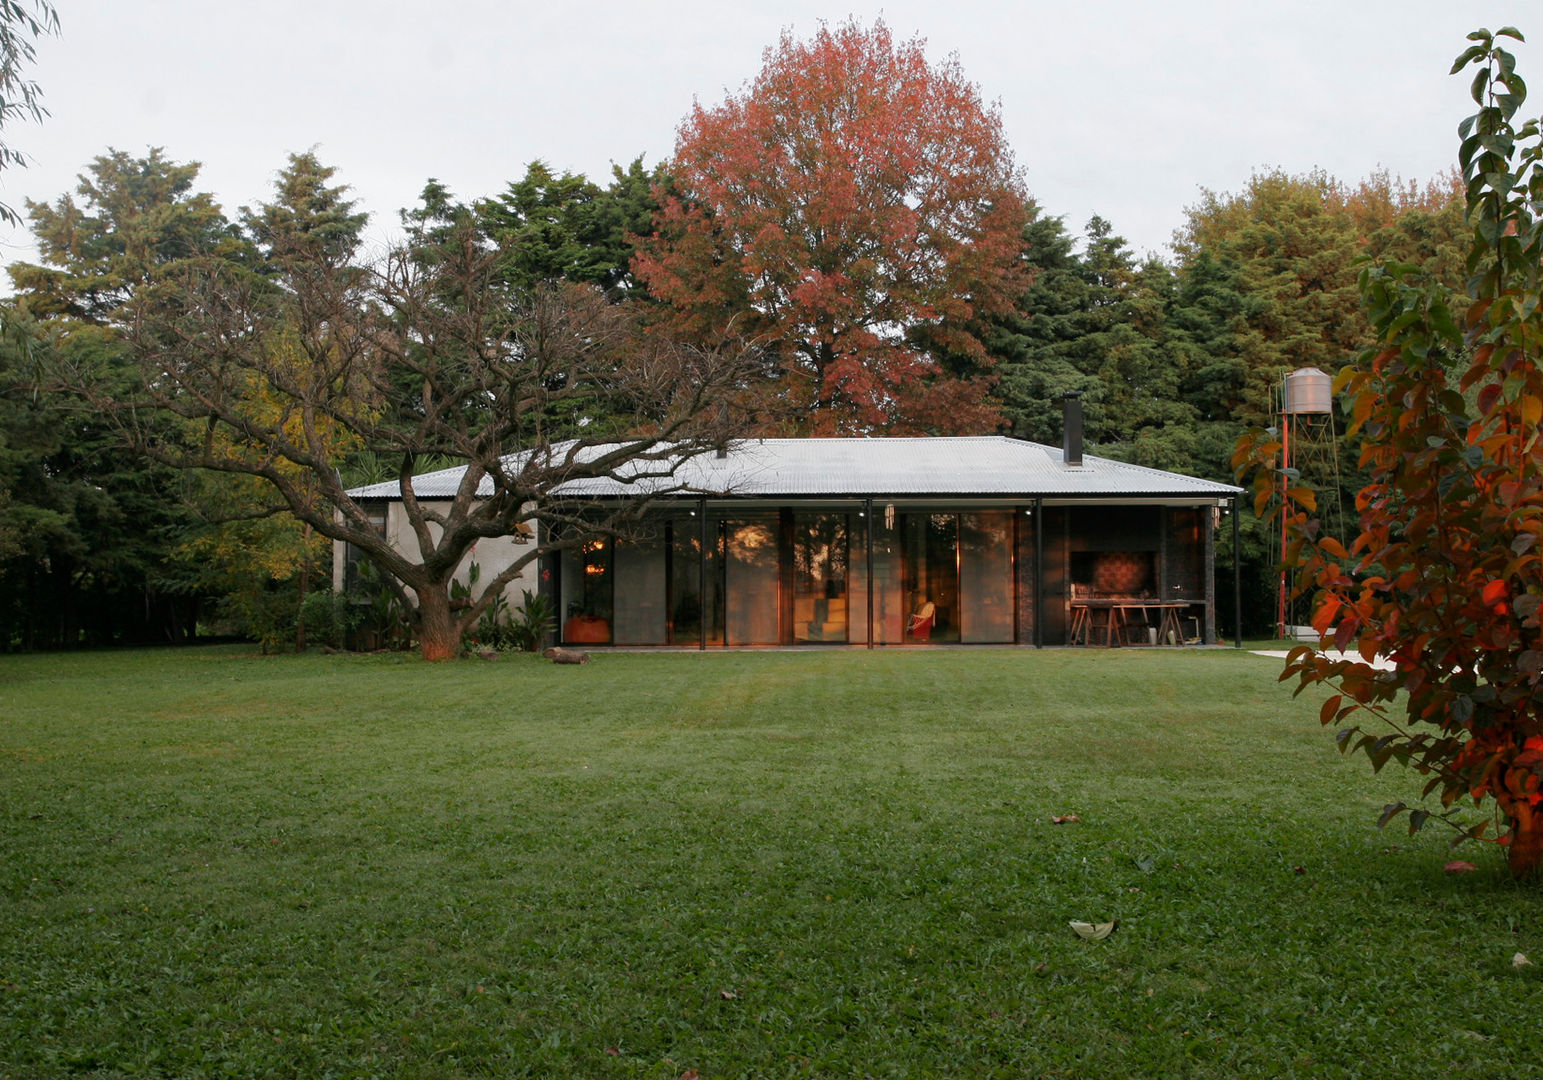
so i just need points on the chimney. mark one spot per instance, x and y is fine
(1071, 433)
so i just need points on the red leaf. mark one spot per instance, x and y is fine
(1459, 867)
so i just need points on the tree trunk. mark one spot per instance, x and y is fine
(1526, 848)
(439, 635)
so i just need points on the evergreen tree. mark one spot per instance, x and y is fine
(93, 530)
(568, 228)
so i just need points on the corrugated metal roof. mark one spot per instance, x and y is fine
(771, 468)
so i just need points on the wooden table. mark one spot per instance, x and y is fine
(1085, 627)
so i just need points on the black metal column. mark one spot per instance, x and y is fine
(1039, 573)
(1237, 580)
(701, 509)
(868, 517)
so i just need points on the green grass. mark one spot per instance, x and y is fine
(821, 864)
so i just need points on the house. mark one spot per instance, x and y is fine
(886, 542)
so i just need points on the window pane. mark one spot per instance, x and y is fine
(986, 576)
(932, 576)
(640, 599)
(750, 579)
(687, 604)
(820, 560)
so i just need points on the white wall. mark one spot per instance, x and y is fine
(492, 555)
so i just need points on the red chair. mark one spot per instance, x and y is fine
(919, 626)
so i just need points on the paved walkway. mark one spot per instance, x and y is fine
(1382, 662)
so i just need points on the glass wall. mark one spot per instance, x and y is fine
(752, 570)
(931, 545)
(691, 612)
(793, 576)
(986, 577)
(821, 557)
(641, 618)
(587, 583)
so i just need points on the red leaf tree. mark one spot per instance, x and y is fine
(1446, 575)
(859, 208)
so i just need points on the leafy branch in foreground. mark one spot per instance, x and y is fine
(1446, 575)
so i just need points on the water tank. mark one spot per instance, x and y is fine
(1308, 391)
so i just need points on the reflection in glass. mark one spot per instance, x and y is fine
(821, 551)
(750, 579)
(687, 603)
(640, 589)
(986, 577)
(586, 588)
(931, 576)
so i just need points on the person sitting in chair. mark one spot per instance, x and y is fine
(919, 625)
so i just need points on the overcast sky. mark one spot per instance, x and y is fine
(1121, 108)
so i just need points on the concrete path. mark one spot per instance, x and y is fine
(1381, 662)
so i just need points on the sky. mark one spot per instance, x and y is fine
(1127, 109)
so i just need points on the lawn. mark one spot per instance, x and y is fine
(822, 864)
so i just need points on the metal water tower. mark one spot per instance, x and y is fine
(1310, 447)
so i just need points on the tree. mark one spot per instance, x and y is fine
(259, 374)
(1293, 243)
(21, 25)
(95, 530)
(567, 228)
(1446, 575)
(136, 219)
(859, 208)
(1095, 324)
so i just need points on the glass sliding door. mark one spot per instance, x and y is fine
(931, 545)
(751, 574)
(891, 606)
(586, 587)
(821, 558)
(640, 590)
(694, 613)
(986, 577)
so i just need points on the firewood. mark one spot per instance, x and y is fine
(566, 656)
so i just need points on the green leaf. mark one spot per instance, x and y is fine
(1480, 84)
(1473, 52)
(1417, 820)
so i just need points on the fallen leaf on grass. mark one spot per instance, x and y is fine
(1093, 932)
(1062, 819)
(1520, 960)
(1459, 867)
(727, 995)
(613, 1051)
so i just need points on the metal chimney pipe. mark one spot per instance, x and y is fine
(1071, 431)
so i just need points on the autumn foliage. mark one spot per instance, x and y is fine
(858, 207)
(1446, 574)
